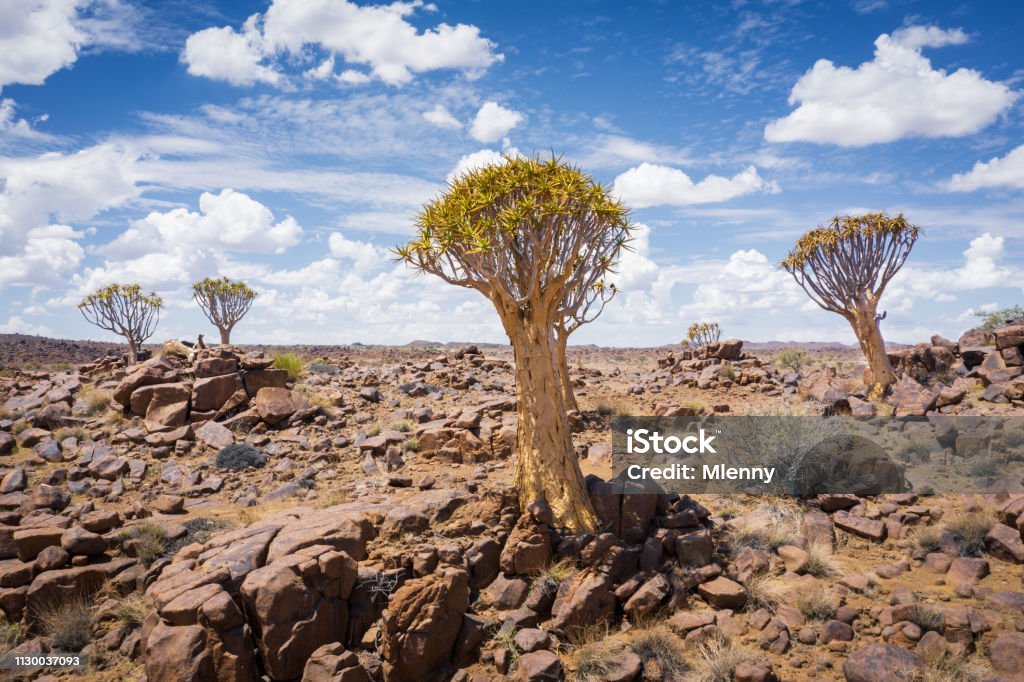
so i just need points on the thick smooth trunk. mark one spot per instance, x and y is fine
(225, 337)
(561, 343)
(133, 352)
(548, 468)
(865, 326)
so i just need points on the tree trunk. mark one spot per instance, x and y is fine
(225, 336)
(133, 351)
(561, 342)
(865, 326)
(548, 468)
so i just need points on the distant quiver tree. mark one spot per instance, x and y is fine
(224, 302)
(125, 310)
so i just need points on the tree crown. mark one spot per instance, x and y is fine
(702, 333)
(126, 292)
(851, 258)
(223, 287)
(520, 229)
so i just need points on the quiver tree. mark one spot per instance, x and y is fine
(702, 334)
(225, 302)
(581, 305)
(125, 310)
(845, 268)
(527, 233)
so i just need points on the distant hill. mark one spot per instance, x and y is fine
(17, 350)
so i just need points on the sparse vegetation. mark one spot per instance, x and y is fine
(68, 623)
(149, 539)
(913, 450)
(593, 661)
(291, 363)
(928, 538)
(607, 408)
(927, 617)
(820, 563)
(727, 372)
(969, 530)
(815, 604)
(554, 574)
(411, 444)
(659, 646)
(792, 358)
(240, 456)
(132, 609)
(998, 318)
(763, 592)
(10, 635)
(775, 526)
(96, 401)
(941, 665)
(717, 658)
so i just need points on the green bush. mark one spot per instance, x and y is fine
(793, 358)
(291, 363)
(998, 318)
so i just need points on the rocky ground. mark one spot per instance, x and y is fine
(207, 516)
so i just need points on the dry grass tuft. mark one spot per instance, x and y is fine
(68, 624)
(969, 530)
(820, 561)
(815, 604)
(763, 592)
(717, 659)
(660, 648)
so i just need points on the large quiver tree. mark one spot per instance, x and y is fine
(845, 268)
(526, 233)
(125, 310)
(224, 302)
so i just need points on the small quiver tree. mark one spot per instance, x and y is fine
(224, 302)
(125, 310)
(581, 305)
(702, 334)
(526, 233)
(845, 268)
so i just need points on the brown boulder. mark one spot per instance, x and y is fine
(528, 548)
(882, 663)
(297, 604)
(256, 379)
(167, 408)
(212, 392)
(421, 624)
(274, 405)
(723, 593)
(583, 599)
(1006, 653)
(332, 663)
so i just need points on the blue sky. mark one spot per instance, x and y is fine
(290, 143)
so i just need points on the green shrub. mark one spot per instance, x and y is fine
(151, 541)
(792, 358)
(998, 318)
(291, 363)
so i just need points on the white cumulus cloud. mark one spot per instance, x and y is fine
(653, 185)
(493, 121)
(49, 253)
(229, 221)
(898, 94)
(1007, 171)
(479, 159)
(379, 38)
(441, 117)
